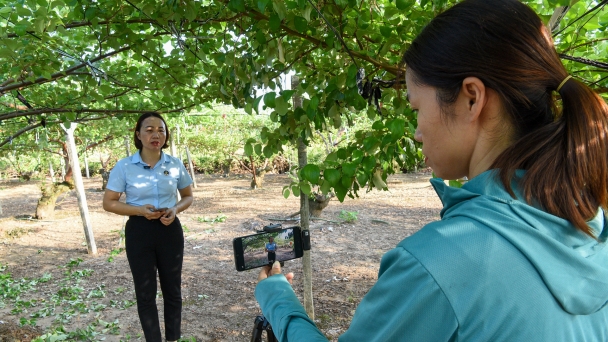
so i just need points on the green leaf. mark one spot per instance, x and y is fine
(346, 182)
(348, 169)
(287, 94)
(296, 190)
(301, 24)
(268, 152)
(262, 6)
(237, 5)
(279, 7)
(5, 10)
(357, 156)
(331, 157)
(386, 31)
(332, 176)
(397, 127)
(274, 22)
(370, 144)
(368, 163)
(248, 149)
(305, 188)
(341, 192)
(325, 187)
(378, 125)
(286, 192)
(314, 102)
(256, 104)
(281, 105)
(362, 178)
(258, 149)
(403, 4)
(269, 100)
(311, 173)
(306, 12)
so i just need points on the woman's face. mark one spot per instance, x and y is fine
(447, 141)
(152, 134)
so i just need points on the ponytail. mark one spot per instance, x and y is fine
(567, 160)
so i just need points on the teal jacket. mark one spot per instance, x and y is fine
(493, 269)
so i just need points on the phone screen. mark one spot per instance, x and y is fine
(265, 248)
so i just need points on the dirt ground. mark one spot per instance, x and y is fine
(218, 301)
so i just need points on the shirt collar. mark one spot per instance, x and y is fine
(136, 158)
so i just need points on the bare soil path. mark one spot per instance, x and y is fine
(96, 296)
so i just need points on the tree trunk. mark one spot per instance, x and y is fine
(318, 203)
(50, 192)
(127, 146)
(82, 199)
(304, 216)
(105, 176)
(191, 166)
(51, 171)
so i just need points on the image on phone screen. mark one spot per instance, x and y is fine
(265, 248)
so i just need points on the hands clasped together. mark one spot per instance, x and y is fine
(166, 215)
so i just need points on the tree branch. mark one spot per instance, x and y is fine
(586, 61)
(390, 68)
(88, 23)
(93, 145)
(29, 128)
(69, 110)
(60, 74)
(279, 72)
(161, 68)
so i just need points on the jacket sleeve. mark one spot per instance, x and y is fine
(283, 310)
(405, 304)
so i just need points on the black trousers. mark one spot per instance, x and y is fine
(272, 256)
(151, 246)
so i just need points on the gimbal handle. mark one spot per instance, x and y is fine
(260, 324)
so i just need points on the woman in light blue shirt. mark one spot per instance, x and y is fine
(153, 234)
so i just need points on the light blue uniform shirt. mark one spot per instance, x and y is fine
(271, 247)
(157, 185)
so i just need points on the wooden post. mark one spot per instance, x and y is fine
(127, 146)
(179, 143)
(82, 199)
(86, 163)
(304, 215)
(191, 167)
(173, 153)
(62, 164)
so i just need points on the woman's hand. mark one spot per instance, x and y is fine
(147, 211)
(267, 271)
(168, 216)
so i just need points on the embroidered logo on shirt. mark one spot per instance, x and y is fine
(166, 173)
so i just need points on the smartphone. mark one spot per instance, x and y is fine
(265, 248)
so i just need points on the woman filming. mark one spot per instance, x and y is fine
(520, 251)
(153, 234)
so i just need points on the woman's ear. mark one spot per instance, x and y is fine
(473, 94)
(137, 135)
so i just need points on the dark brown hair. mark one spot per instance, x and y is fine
(564, 148)
(141, 119)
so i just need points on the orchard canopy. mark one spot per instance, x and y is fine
(102, 62)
